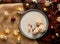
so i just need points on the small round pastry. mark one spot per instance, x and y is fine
(41, 28)
(35, 31)
(39, 21)
(29, 28)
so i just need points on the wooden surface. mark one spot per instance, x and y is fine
(5, 22)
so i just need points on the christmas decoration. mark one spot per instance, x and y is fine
(58, 19)
(3, 37)
(57, 34)
(7, 31)
(53, 37)
(45, 9)
(58, 6)
(49, 15)
(27, 4)
(47, 3)
(16, 32)
(54, 0)
(5, 13)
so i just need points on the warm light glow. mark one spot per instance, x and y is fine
(27, 4)
(3, 37)
(7, 30)
(45, 9)
(57, 34)
(16, 32)
(47, 3)
(34, 1)
(19, 38)
(20, 9)
(6, 13)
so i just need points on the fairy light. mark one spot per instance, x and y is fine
(57, 34)
(34, 1)
(45, 9)
(18, 39)
(27, 4)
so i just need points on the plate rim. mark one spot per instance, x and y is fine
(36, 11)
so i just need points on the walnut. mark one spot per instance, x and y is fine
(38, 28)
(19, 39)
(35, 31)
(39, 21)
(41, 28)
(58, 6)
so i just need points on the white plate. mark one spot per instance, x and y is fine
(30, 17)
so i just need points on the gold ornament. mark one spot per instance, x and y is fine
(18, 39)
(3, 37)
(5, 13)
(16, 32)
(7, 31)
(20, 10)
(47, 3)
(58, 19)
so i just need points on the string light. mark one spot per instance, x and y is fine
(57, 34)
(34, 1)
(19, 39)
(52, 27)
(27, 4)
(45, 9)
(20, 10)
(5, 13)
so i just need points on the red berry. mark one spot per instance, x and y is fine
(53, 37)
(13, 19)
(52, 27)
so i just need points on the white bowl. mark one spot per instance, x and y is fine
(29, 17)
